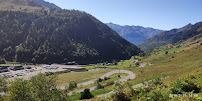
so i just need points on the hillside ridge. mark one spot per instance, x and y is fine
(173, 36)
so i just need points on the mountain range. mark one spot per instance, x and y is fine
(134, 34)
(173, 36)
(31, 32)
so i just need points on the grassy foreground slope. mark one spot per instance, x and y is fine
(170, 65)
(173, 66)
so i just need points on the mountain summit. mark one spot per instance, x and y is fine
(134, 34)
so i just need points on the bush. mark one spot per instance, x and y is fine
(185, 85)
(2, 61)
(137, 63)
(38, 88)
(99, 86)
(157, 82)
(122, 92)
(98, 80)
(109, 83)
(49, 73)
(106, 78)
(86, 94)
(20, 90)
(44, 88)
(3, 84)
(189, 86)
(159, 94)
(1, 98)
(72, 85)
(120, 96)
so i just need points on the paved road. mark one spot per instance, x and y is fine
(131, 75)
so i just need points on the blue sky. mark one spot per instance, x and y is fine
(161, 14)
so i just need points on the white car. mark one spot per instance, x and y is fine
(20, 74)
(10, 75)
(52, 68)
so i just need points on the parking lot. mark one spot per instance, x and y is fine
(28, 73)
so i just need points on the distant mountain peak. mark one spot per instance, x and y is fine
(134, 34)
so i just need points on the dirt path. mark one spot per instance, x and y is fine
(131, 75)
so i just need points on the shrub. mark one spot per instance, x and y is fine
(19, 90)
(99, 86)
(157, 82)
(188, 86)
(3, 84)
(137, 63)
(176, 87)
(106, 78)
(2, 61)
(44, 88)
(86, 94)
(185, 85)
(98, 80)
(38, 88)
(122, 92)
(114, 62)
(109, 83)
(1, 98)
(72, 85)
(120, 96)
(159, 94)
(49, 73)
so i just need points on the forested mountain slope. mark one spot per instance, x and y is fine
(59, 36)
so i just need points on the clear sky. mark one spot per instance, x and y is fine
(161, 14)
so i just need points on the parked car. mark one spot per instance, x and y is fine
(10, 75)
(52, 67)
(27, 67)
(20, 74)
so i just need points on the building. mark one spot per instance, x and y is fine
(16, 68)
(3, 69)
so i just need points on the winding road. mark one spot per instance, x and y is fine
(131, 75)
